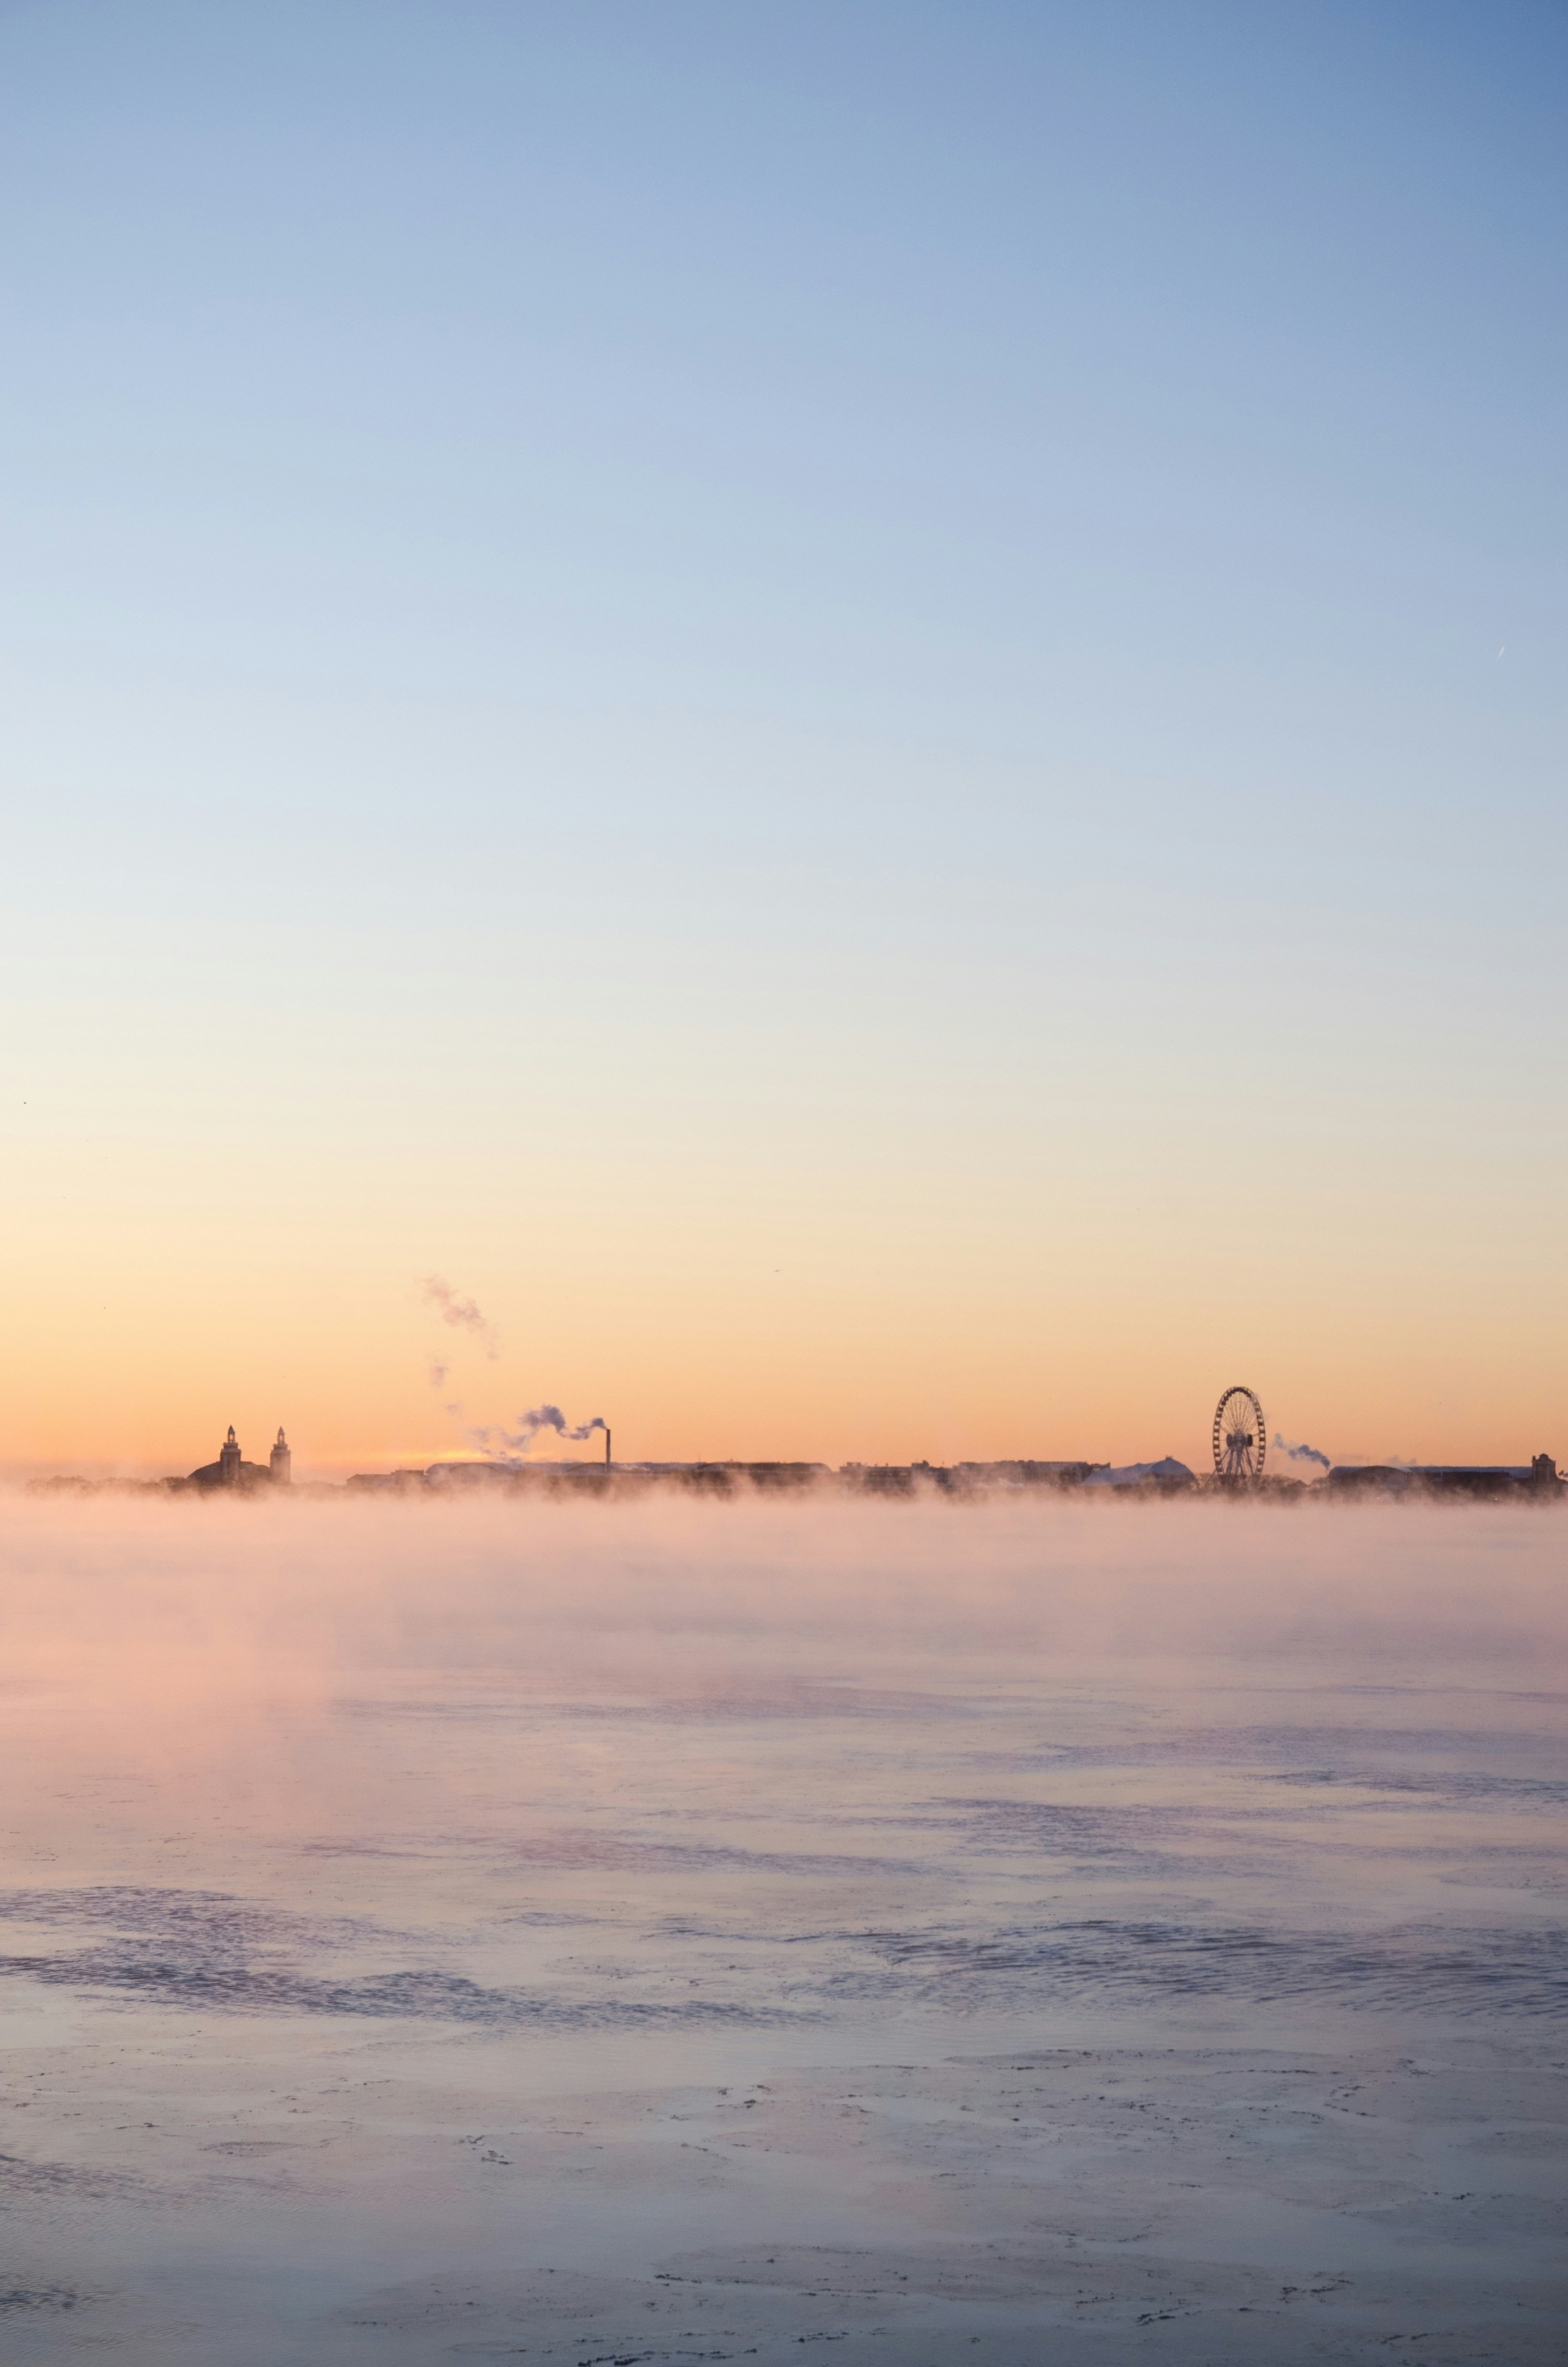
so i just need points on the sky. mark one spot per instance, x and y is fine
(858, 710)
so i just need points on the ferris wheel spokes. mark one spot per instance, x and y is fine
(1241, 1435)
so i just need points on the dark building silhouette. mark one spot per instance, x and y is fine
(231, 1470)
(1489, 1481)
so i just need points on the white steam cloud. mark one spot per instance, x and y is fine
(462, 1314)
(1303, 1454)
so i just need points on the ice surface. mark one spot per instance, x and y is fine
(663, 1931)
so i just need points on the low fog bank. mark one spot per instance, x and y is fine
(658, 1593)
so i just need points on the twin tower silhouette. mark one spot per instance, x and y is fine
(231, 1470)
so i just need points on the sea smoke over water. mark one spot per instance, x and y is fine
(537, 1892)
(256, 1593)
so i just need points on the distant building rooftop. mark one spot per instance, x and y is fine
(1167, 1474)
(1483, 1479)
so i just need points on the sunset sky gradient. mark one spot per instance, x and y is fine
(858, 709)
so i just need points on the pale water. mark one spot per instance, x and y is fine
(661, 1932)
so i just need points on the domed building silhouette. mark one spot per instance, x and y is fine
(231, 1470)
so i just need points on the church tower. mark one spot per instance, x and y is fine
(229, 1461)
(282, 1462)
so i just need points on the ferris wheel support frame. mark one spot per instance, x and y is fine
(1238, 1452)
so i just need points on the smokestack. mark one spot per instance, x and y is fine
(606, 1446)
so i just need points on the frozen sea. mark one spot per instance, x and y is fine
(661, 1931)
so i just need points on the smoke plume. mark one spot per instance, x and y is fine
(1303, 1454)
(462, 1314)
(507, 1445)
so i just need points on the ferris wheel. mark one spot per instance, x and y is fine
(1241, 1435)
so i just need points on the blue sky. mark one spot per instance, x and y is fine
(959, 608)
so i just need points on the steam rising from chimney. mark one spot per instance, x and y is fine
(462, 1314)
(1303, 1454)
(511, 1445)
(494, 1439)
